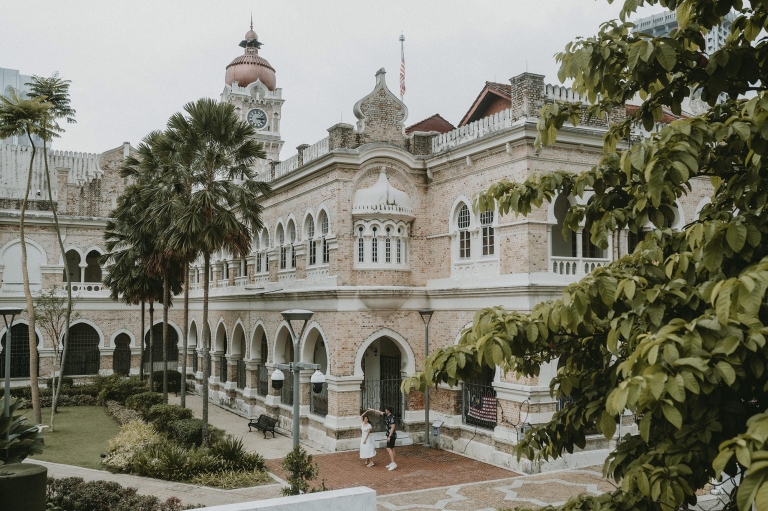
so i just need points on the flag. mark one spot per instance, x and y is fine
(402, 67)
(483, 408)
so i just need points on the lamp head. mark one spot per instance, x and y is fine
(10, 311)
(278, 378)
(317, 380)
(297, 315)
(426, 314)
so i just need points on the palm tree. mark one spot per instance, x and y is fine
(21, 116)
(150, 213)
(223, 208)
(55, 91)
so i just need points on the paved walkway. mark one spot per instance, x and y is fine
(425, 479)
(236, 425)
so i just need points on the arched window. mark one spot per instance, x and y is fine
(19, 351)
(324, 228)
(399, 249)
(360, 245)
(281, 241)
(93, 270)
(172, 345)
(388, 247)
(464, 236)
(562, 246)
(121, 358)
(375, 246)
(311, 246)
(73, 264)
(82, 350)
(486, 221)
(292, 233)
(258, 253)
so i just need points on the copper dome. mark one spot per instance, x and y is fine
(248, 68)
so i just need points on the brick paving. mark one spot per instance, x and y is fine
(418, 468)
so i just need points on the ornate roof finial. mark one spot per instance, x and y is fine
(251, 21)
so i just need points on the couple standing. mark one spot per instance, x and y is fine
(367, 451)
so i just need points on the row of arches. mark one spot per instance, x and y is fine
(84, 265)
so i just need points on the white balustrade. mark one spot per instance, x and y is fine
(575, 265)
(316, 150)
(472, 131)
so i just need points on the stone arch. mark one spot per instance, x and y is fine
(702, 203)
(121, 356)
(10, 258)
(408, 364)
(192, 340)
(239, 346)
(455, 208)
(314, 347)
(83, 356)
(220, 342)
(282, 351)
(259, 332)
(458, 335)
(396, 173)
(126, 332)
(92, 271)
(679, 222)
(19, 349)
(309, 218)
(291, 223)
(562, 246)
(322, 213)
(172, 345)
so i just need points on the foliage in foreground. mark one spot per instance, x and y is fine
(674, 332)
(301, 470)
(75, 494)
(140, 449)
(17, 439)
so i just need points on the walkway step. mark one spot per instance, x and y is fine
(380, 439)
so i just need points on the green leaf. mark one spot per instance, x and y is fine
(726, 371)
(666, 55)
(672, 414)
(747, 491)
(607, 424)
(736, 235)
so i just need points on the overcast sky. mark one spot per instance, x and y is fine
(134, 63)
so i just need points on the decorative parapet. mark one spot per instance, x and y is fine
(473, 131)
(14, 164)
(560, 93)
(395, 210)
(316, 150)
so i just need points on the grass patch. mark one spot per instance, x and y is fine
(81, 436)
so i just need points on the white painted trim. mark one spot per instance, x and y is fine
(399, 340)
(132, 344)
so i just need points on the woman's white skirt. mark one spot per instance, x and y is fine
(367, 450)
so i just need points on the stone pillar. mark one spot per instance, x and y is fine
(300, 149)
(527, 95)
(341, 136)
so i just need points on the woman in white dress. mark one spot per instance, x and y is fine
(367, 451)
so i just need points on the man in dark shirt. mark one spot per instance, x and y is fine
(389, 423)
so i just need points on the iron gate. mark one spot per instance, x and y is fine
(241, 374)
(19, 352)
(157, 349)
(378, 394)
(263, 387)
(121, 358)
(82, 350)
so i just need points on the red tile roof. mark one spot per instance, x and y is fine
(492, 91)
(431, 123)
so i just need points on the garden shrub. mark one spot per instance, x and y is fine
(118, 388)
(162, 416)
(74, 494)
(67, 381)
(231, 450)
(121, 414)
(133, 438)
(230, 479)
(189, 432)
(143, 402)
(301, 470)
(174, 381)
(166, 460)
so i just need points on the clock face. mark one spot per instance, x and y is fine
(258, 118)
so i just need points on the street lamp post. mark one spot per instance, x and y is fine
(12, 312)
(426, 315)
(296, 366)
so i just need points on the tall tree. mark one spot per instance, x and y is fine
(223, 209)
(20, 116)
(55, 91)
(674, 332)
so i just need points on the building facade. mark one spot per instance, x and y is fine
(364, 227)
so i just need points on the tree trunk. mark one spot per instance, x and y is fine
(151, 345)
(141, 343)
(166, 299)
(56, 384)
(28, 293)
(183, 398)
(206, 347)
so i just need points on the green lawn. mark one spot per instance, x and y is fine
(81, 435)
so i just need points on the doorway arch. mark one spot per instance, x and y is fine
(157, 350)
(19, 351)
(121, 358)
(82, 350)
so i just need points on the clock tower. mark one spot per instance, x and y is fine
(251, 88)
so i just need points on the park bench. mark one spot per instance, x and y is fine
(264, 423)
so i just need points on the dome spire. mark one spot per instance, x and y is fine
(251, 41)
